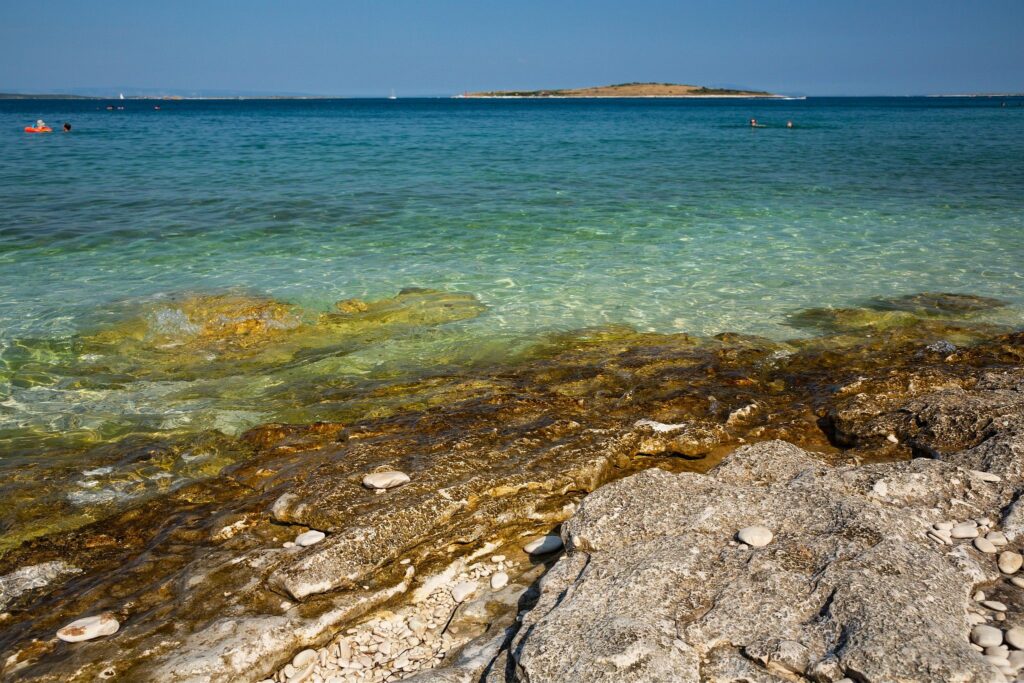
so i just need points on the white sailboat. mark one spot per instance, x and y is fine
(121, 96)
(392, 96)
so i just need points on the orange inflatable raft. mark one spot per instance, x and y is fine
(33, 129)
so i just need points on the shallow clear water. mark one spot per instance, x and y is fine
(664, 215)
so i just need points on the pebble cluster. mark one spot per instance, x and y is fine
(396, 645)
(1003, 647)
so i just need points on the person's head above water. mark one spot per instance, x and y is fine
(753, 122)
(67, 127)
(40, 123)
(789, 124)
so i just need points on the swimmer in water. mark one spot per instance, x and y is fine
(40, 123)
(753, 123)
(789, 124)
(67, 127)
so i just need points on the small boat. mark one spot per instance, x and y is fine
(392, 96)
(121, 96)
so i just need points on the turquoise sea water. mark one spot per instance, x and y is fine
(666, 215)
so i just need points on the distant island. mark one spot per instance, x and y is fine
(629, 90)
(32, 96)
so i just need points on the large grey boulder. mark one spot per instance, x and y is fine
(654, 586)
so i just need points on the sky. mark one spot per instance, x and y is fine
(443, 47)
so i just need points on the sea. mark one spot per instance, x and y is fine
(553, 215)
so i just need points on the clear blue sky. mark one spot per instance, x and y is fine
(366, 47)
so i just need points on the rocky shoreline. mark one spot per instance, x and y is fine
(646, 455)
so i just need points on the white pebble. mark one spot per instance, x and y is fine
(1010, 562)
(965, 530)
(997, 537)
(1017, 581)
(303, 658)
(385, 480)
(986, 636)
(499, 580)
(463, 590)
(994, 605)
(979, 596)
(544, 545)
(311, 537)
(89, 627)
(985, 546)
(498, 559)
(944, 526)
(1015, 637)
(756, 536)
(985, 476)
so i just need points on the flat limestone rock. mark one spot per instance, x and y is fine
(651, 588)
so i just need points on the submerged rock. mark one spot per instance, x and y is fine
(938, 303)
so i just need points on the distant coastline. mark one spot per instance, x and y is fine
(671, 90)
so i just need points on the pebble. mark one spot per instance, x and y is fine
(986, 636)
(940, 536)
(965, 530)
(994, 605)
(499, 580)
(997, 537)
(1015, 637)
(309, 538)
(944, 526)
(979, 596)
(463, 590)
(985, 546)
(756, 536)
(288, 544)
(985, 476)
(498, 559)
(1017, 659)
(998, 651)
(1010, 562)
(89, 627)
(303, 658)
(544, 545)
(385, 480)
(1017, 581)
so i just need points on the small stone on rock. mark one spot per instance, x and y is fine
(965, 530)
(985, 546)
(89, 627)
(309, 538)
(1010, 562)
(756, 536)
(499, 580)
(544, 545)
(994, 605)
(463, 590)
(385, 480)
(1015, 637)
(986, 636)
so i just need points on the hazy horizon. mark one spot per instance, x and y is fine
(909, 47)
